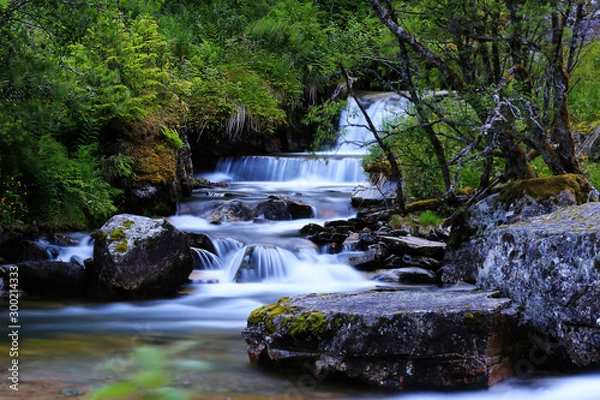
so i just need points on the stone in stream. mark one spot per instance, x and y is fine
(408, 276)
(50, 278)
(414, 245)
(395, 339)
(282, 208)
(140, 257)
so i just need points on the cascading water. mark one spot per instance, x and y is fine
(275, 262)
(204, 259)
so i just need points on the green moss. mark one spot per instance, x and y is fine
(282, 317)
(544, 188)
(267, 314)
(422, 205)
(121, 247)
(117, 235)
(128, 224)
(309, 322)
(473, 318)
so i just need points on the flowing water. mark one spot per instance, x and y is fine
(68, 347)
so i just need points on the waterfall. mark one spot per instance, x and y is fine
(260, 262)
(340, 165)
(286, 169)
(225, 246)
(204, 259)
(381, 108)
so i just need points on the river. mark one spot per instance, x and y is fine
(68, 347)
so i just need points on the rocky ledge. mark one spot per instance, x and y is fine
(389, 338)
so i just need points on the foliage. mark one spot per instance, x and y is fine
(70, 190)
(429, 218)
(12, 203)
(584, 96)
(324, 117)
(77, 77)
(592, 172)
(505, 67)
(149, 373)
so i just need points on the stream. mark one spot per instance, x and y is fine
(67, 347)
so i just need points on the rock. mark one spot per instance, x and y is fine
(52, 278)
(550, 267)
(414, 246)
(11, 245)
(231, 211)
(392, 339)
(407, 261)
(519, 201)
(139, 257)
(409, 276)
(201, 241)
(311, 229)
(368, 260)
(283, 208)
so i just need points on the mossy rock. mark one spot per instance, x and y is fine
(291, 319)
(544, 188)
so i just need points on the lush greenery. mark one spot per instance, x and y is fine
(95, 96)
(98, 96)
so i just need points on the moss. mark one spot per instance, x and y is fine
(309, 322)
(121, 247)
(422, 205)
(472, 318)
(544, 188)
(128, 224)
(282, 317)
(117, 235)
(267, 314)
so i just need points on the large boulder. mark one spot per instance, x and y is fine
(392, 339)
(519, 201)
(550, 267)
(515, 202)
(139, 257)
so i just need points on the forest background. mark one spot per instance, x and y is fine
(95, 96)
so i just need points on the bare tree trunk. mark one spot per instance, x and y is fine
(389, 155)
(438, 148)
(560, 130)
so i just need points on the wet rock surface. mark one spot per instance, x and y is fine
(140, 257)
(391, 338)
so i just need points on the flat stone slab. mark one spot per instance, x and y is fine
(414, 245)
(389, 338)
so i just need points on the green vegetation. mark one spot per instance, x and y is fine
(429, 218)
(99, 98)
(543, 188)
(280, 316)
(148, 373)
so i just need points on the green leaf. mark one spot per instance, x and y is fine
(149, 357)
(119, 389)
(149, 378)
